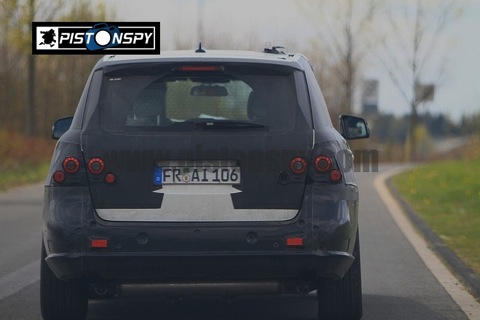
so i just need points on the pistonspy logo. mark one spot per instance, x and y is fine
(95, 38)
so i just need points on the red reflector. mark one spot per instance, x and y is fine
(59, 176)
(96, 165)
(200, 68)
(110, 178)
(335, 175)
(295, 242)
(99, 243)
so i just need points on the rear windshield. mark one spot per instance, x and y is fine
(189, 97)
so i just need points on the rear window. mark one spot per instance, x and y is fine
(159, 97)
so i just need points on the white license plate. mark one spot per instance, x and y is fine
(198, 175)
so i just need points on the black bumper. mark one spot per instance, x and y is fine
(327, 223)
(161, 268)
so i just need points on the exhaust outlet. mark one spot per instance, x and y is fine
(102, 290)
(303, 289)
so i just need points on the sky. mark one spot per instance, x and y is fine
(285, 22)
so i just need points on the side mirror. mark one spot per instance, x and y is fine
(352, 127)
(60, 127)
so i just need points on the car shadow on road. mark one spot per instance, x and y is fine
(256, 308)
(252, 308)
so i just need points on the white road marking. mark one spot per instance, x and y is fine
(19, 279)
(455, 289)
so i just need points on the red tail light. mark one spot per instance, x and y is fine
(96, 165)
(335, 175)
(200, 68)
(323, 163)
(59, 176)
(326, 169)
(71, 165)
(298, 165)
(110, 178)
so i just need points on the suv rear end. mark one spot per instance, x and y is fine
(201, 173)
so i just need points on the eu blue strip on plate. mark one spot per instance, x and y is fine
(157, 176)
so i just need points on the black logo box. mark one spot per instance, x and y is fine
(153, 46)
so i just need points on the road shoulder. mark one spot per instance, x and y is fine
(412, 226)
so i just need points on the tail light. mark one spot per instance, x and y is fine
(328, 168)
(59, 176)
(323, 163)
(298, 165)
(335, 175)
(200, 68)
(67, 174)
(96, 165)
(110, 178)
(71, 165)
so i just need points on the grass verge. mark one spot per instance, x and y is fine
(23, 160)
(23, 174)
(446, 195)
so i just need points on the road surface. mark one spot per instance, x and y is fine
(396, 283)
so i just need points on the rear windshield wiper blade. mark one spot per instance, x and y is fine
(213, 124)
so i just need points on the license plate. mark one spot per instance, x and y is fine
(194, 174)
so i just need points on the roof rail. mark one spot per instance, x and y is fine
(274, 50)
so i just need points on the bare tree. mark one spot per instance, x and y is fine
(187, 35)
(410, 51)
(31, 111)
(341, 36)
(34, 90)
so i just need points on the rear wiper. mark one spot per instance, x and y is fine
(213, 124)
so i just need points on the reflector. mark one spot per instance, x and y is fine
(294, 242)
(99, 243)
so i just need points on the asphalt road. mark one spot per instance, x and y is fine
(396, 283)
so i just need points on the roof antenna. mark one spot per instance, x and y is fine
(200, 49)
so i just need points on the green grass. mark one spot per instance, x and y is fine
(447, 197)
(23, 159)
(23, 174)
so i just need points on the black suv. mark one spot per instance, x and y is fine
(193, 173)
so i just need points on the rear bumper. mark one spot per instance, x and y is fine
(159, 252)
(159, 268)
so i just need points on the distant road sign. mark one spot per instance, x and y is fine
(370, 93)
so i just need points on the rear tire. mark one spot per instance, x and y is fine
(61, 300)
(342, 299)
